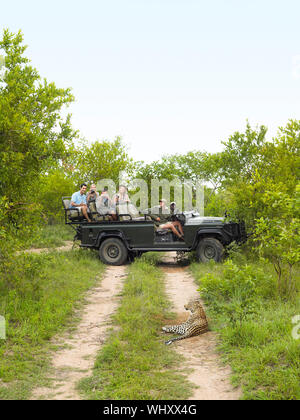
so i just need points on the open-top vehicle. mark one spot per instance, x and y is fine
(130, 236)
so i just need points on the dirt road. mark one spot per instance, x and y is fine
(210, 377)
(79, 349)
(67, 247)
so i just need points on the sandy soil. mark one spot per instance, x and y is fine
(77, 359)
(210, 377)
(67, 247)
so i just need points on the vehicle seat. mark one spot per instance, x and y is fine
(93, 210)
(159, 231)
(129, 212)
(162, 232)
(148, 218)
(71, 214)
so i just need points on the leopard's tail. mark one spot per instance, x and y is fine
(167, 343)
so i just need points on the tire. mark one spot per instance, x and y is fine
(209, 249)
(112, 251)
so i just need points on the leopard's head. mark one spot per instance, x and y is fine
(193, 305)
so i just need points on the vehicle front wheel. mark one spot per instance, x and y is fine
(113, 252)
(209, 249)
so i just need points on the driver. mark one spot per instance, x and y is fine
(167, 224)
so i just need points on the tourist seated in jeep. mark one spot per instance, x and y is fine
(92, 195)
(104, 205)
(123, 205)
(163, 221)
(121, 200)
(78, 202)
(91, 199)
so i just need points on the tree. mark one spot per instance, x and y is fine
(33, 134)
(276, 169)
(100, 160)
(242, 153)
(278, 237)
(52, 187)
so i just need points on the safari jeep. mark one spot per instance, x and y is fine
(129, 236)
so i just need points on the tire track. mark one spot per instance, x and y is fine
(211, 378)
(76, 360)
(67, 247)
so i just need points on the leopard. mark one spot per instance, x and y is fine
(196, 324)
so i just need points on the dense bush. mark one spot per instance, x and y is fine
(255, 327)
(238, 290)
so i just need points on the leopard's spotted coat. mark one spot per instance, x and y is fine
(196, 324)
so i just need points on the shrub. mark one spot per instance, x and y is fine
(237, 290)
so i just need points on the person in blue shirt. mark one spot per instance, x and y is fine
(78, 201)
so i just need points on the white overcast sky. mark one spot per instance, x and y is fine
(168, 76)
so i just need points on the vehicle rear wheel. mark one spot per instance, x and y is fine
(113, 252)
(209, 249)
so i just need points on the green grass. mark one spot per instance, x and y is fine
(135, 363)
(38, 302)
(255, 328)
(51, 236)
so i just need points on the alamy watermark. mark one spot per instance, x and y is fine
(2, 328)
(296, 329)
(187, 194)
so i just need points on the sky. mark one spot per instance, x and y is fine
(168, 76)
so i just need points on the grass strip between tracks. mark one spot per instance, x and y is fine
(135, 363)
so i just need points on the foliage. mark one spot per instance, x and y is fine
(255, 179)
(281, 158)
(37, 302)
(233, 167)
(236, 293)
(51, 236)
(52, 187)
(254, 328)
(193, 166)
(279, 237)
(242, 154)
(267, 198)
(204, 166)
(277, 169)
(100, 160)
(33, 134)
